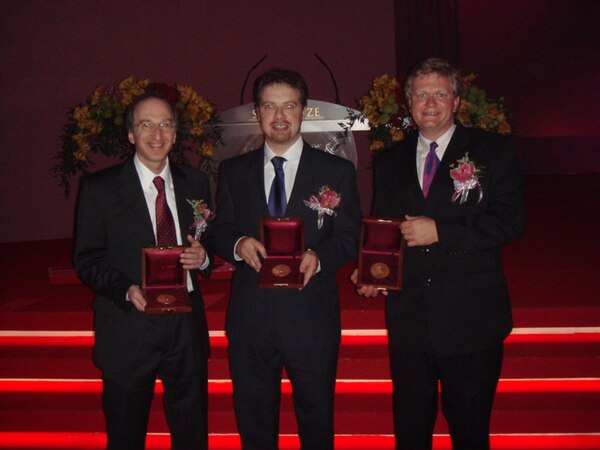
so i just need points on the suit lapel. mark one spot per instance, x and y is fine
(456, 148)
(184, 209)
(132, 193)
(411, 166)
(302, 183)
(256, 182)
(442, 184)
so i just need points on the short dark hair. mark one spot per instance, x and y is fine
(280, 76)
(438, 66)
(145, 96)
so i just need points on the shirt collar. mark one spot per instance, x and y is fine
(442, 141)
(291, 154)
(147, 176)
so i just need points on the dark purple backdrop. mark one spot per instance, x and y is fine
(540, 54)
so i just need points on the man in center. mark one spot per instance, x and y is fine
(274, 328)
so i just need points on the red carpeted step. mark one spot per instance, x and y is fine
(367, 422)
(568, 405)
(368, 318)
(366, 368)
(558, 352)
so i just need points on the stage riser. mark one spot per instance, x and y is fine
(360, 368)
(367, 422)
(82, 441)
(554, 280)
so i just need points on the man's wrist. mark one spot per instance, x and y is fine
(236, 255)
(127, 299)
(318, 260)
(205, 264)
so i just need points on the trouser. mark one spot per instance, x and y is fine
(468, 385)
(170, 353)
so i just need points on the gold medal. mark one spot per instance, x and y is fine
(281, 270)
(380, 270)
(165, 299)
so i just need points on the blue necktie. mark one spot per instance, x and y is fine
(277, 197)
(431, 164)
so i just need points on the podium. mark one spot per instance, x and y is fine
(320, 128)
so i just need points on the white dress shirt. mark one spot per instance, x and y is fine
(150, 193)
(423, 148)
(290, 167)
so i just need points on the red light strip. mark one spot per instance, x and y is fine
(580, 441)
(219, 340)
(47, 341)
(361, 387)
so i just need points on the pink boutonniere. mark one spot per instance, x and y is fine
(325, 202)
(201, 216)
(466, 177)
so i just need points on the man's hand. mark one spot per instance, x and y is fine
(419, 231)
(136, 296)
(249, 249)
(194, 256)
(366, 290)
(308, 265)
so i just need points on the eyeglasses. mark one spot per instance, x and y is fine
(423, 96)
(147, 126)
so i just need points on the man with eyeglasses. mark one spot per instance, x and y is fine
(118, 214)
(459, 191)
(296, 329)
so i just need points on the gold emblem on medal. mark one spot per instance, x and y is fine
(281, 270)
(165, 299)
(380, 270)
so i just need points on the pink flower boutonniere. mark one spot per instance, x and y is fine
(325, 202)
(201, 216)
(466, 177)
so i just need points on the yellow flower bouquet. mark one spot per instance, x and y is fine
(389, 117)
(98, 127)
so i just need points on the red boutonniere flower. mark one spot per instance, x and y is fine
(466, 177)
(201, 216)
(325, 202)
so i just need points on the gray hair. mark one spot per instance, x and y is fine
(438, 66)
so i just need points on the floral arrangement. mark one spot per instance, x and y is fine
(201, 216)
(98, 127)
(466, 175)
(389, 119)
(478, 110)
(325, 202)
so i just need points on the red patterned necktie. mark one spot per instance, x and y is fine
(165, 226)
(431, 164)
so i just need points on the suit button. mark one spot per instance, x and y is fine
(428, 282)
(425, 250)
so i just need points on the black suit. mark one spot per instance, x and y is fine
(113, 225)
(271, 328)
(454, 305)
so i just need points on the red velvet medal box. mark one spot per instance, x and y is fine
(164, 280)
(283, 238)
(381, 253)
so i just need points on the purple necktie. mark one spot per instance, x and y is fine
(277, 197)
(165, 226)
(431, 164)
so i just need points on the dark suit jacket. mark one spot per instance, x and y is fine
(455, 294)
(113, 225)
(241, 202)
